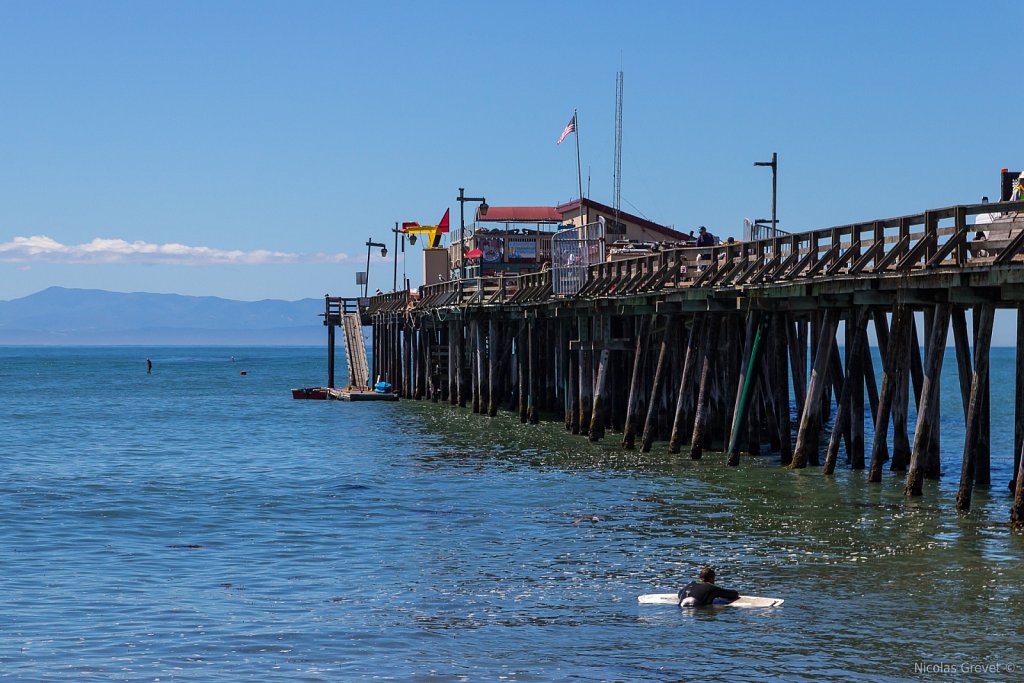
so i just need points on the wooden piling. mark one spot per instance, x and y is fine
(806, 450)
(982, 463)
(684, 393)
(749, 372)
(532, 371)
(597, 420)
(1018, 402)
(700, 421)
(780, 382)
(856, 333)
(983, 339)
(890, 377)
(654, 405)
(522, 365)
(929, 394)
(633, 409)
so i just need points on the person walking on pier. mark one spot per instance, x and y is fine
(705, 592)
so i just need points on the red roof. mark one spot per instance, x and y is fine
(520, 214)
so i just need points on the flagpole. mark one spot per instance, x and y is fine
(579, 174)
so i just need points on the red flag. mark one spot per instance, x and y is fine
(443, 225)
(571, 128)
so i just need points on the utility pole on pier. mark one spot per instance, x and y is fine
(774, 163)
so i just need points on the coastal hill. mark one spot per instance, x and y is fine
(60, 316)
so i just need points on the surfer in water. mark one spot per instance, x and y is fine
(705, 592)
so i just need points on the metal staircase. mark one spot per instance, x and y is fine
(355, 351)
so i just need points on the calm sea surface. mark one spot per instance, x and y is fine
(197, 524)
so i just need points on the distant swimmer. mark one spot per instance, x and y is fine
(149, 366)
(705, 592)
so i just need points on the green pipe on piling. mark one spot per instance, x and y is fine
(748, 386)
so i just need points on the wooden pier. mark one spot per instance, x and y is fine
(741, 352)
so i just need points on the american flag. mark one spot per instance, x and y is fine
(571, 128)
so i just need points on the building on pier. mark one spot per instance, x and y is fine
(516, 240)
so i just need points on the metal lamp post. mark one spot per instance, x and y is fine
(462, 199)
(394, 275)
(383, 252)
(774, 163)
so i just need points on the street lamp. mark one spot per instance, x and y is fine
(462, 199)
(383, 252)
(774, 163)
(394, 275)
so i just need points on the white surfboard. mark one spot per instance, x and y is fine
(744, 601)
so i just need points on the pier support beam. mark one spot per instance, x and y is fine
(929, 394)
(653, 406)
(330, 356)
(810, 421)
(749, 371)
(531, 375)
(586, 375)
(982, 465)
(891, 376)
(857, 333)
(1018, 410)
(708, 353)
(983, 340)
(684, 394)
(493, 362)
(598, 418)
(635, 384)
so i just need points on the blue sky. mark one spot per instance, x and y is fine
(248, 150)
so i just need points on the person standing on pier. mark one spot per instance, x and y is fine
(704, 239)
(705, 592)
(1018, 189)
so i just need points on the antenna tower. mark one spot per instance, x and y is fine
(618, 144)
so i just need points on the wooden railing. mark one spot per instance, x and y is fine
(931, 241)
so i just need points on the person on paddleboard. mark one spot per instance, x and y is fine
(705, 592)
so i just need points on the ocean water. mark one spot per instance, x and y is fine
(197, 524)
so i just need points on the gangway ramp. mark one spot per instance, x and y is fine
(355, 351)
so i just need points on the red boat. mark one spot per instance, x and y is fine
(311, 393)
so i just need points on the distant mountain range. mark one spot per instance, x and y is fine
(59, 316)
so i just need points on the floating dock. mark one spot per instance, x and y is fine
(332, 394)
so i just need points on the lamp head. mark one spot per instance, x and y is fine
(383, 251)
(412, 239)
(483, 208)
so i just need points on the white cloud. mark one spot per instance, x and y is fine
(40, 248)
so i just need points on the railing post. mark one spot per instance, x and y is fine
(931, 233)
(879, 237)
(960, 217)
